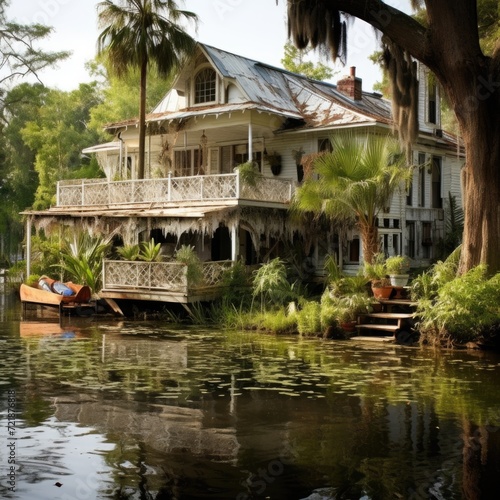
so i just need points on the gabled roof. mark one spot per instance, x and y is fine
(319, 103)
(309, 103)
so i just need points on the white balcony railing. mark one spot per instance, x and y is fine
(159, 276)
(101, 192)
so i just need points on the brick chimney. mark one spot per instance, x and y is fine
(350, 85)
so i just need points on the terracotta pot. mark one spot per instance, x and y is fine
(382, 292)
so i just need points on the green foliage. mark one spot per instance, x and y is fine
(120, 99)
(45, 253)
(463, 308)
(454, 226)
(81, 260)
(249, 174)
(56, 136)
(129, 40)
(294, 61)
(397, 264)
(309, 318)
(186, 255)
(129, 252)
(341, 304)
(19, 54)
(149, 251)
(355, 182)
(236, 285)
(271, 283)
(376, 269)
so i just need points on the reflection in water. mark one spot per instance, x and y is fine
(137, 410)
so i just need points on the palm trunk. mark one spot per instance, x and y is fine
(142, 122)
(369, 241)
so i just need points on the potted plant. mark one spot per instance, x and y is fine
(350, 307)
(376, 272)
(397, 268)
(274, 161)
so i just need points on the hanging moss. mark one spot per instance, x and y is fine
(403, 78)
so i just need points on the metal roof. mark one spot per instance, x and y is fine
(275, 90)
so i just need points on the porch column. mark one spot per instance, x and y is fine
(235, 243)
(28, 246)
(250, 142)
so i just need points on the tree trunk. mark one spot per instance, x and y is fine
(471, 83)
(449, 46)
(142, 122)
(370, 243)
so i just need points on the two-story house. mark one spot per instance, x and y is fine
(224, 110)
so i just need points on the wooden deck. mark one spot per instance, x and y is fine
(161, 281)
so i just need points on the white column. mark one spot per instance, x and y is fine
(235, 243)
(250, 142)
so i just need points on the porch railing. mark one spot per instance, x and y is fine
(99, 192)
(159, 276)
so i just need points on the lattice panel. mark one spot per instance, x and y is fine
(219, 187)
(168, 276)
(186, 188)
(194, 188)
(268, 189)
(213, 271)
(96, 194)
(70, 196)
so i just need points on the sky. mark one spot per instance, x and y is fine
(251, 28)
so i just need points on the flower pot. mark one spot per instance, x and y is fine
(399, 279)
(382, 292)
(348, 326)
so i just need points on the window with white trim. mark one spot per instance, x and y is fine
(205, 86)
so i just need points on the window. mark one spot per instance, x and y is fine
(324, 145)
(432, 99)
(410, 233)
(421, 179)
(205, 86)
(437, 200)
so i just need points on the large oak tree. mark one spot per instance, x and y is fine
(448, 43)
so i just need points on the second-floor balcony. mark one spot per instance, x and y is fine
(171, 190)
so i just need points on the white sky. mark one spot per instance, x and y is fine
(251, 28)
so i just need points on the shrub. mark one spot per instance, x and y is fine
(462, 309)
(270, 281)
(186, 255)
(309, 318)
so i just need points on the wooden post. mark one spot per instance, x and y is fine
(28, 246)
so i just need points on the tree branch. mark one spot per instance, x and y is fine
(401, 28)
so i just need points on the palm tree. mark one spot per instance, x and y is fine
(140, 34)
(355, 182)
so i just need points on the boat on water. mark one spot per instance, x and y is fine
(49, 292)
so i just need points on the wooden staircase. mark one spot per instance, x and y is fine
(393, 323)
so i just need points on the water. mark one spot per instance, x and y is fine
(140, 410)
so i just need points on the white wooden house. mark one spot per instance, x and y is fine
(224, 110)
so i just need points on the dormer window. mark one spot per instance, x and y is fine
(205, 86)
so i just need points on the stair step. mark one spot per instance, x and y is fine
(387, 328)
(383, 315)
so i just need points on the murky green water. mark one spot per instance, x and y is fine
(138, 410)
